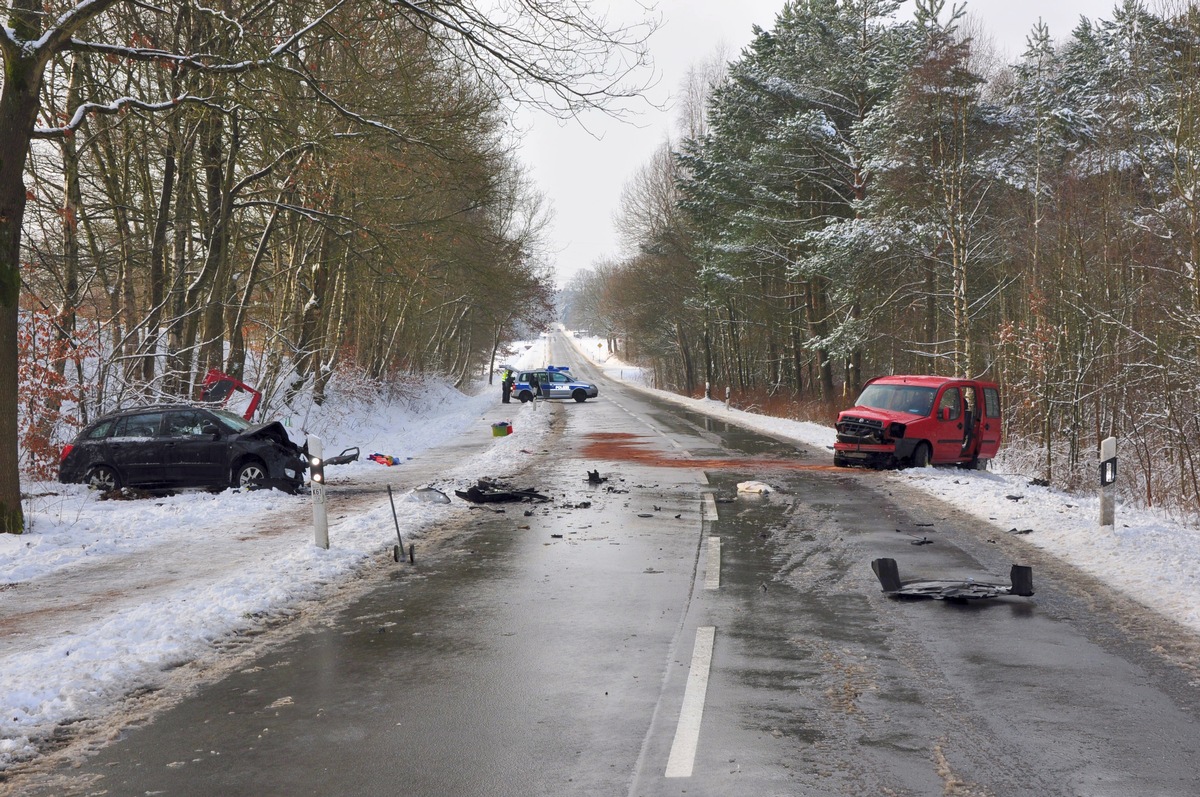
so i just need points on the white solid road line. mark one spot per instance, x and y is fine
(687, 734)
(712, 566)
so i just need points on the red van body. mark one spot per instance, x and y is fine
(920, 420)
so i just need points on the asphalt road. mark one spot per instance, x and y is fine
(660, 634)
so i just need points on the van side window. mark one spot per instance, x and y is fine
(950, 401)
(991, 402)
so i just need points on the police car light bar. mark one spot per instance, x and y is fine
(557, 368)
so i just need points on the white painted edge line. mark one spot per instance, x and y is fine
(712, 566)
(710, 506)
(687, 733)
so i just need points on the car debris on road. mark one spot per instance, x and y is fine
(428, 495)
(888, 573)
(488, 492)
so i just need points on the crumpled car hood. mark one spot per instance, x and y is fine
(270, 431)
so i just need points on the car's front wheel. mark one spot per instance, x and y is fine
(250, 474)
(922, 457)
(103, 478)
(580, 395)
(525, 396)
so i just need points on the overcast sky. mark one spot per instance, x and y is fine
(582, 174)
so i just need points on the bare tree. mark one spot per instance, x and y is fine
(556, 54)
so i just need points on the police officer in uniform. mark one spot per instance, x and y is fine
(506, 384)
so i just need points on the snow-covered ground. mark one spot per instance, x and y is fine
(101, 598)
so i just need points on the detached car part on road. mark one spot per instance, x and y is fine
(888, 573)
(556, 383)
(178, 445)
(918, 421)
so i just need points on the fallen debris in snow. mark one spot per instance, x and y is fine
(429, 495)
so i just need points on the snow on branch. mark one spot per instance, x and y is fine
(88, 109)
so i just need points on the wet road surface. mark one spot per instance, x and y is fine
(566, 652)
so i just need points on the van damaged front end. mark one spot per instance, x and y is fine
(871, 441)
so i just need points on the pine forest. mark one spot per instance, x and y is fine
(854, 195)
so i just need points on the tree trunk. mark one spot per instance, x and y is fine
(18, 109)
(158, 269)
(236, 364)
(212, 350)
(179, 360)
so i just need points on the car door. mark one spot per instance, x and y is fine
(560, 385)
(989, 429)
(195, 456)
(949, 431)
(137, 450)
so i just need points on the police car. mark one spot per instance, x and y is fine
(556, 382)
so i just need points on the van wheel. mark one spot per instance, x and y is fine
(524, 396)
(580, 396)
(922, 457)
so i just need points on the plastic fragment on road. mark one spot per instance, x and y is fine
(429, 495)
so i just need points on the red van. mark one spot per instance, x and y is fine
(900, 421)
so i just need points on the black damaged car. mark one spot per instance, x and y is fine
(179, 445)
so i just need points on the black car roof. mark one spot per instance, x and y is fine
(147, 408)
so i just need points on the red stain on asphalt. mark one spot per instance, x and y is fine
(626, 447)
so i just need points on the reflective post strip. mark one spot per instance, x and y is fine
(1108, 475)
(320, 516)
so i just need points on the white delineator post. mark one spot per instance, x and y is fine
(1108, 477)
(316, 453)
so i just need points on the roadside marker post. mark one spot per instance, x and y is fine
(398, 550)
(1108, 477)
(316, 472)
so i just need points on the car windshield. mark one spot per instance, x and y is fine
(232, 420)
(911, 399)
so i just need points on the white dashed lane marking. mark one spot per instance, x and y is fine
(687, 733)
